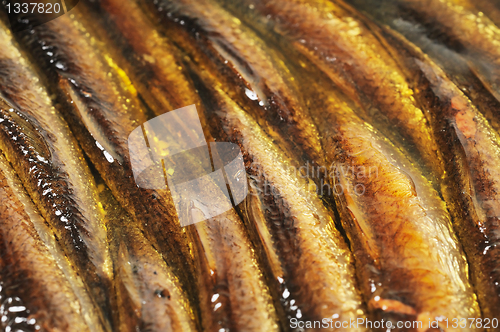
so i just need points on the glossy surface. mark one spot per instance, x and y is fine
(148, 294)
(103, 107)
(253, 73)
(369, 136)
(339, 42)
(233, 294)
(307, 262)
(410, 263)
(35, 292)
(43, 151)
(472, 145)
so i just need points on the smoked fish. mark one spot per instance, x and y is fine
(410, 265)
(382, 196)
(233, 293)
(39, 289)
(457, 25)
(472, 146)
(216, 267)
(103, 107)
(336, 40)
(148, 295)
(253, 74)
(441, 49)
(307, 262)
(40, 146)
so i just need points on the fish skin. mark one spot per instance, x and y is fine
(449, 58)
(337, 40)
(251, 279)
(253, 75)
(350, 142)
(290, 225)
(29, 271)
(262, 66)
(477, 37)
(233, 293)
(459, 26)
(473, 147)
(409, 262)
(102, 107)
(239, 298)
(151, 63)
(148, 295)
(53, 170)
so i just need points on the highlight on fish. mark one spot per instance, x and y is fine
(250, 165)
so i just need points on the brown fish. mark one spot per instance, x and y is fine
(444, 49)
(234, 267)
(103, 107)
(233, 293)
(41, 148)
(253, 74)
(361, 158)
(39, 289)
(471, 184)
(307, 263)
(410, 265)
(148, 295)
(334, 38)
(458, 26)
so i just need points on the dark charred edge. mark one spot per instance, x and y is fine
(164, 236)
(212, 105)
(192, 39)
(68, 233)
(484, 270)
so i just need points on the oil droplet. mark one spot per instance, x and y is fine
(250, 94)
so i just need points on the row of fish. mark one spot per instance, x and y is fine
(393, 103)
